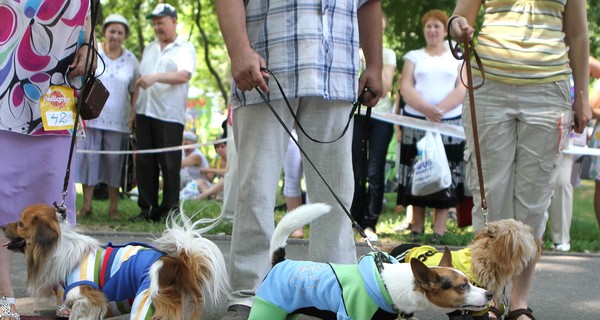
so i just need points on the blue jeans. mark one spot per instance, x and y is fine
(373, 139)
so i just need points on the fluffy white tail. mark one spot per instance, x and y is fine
(296, 219)
(183, 237)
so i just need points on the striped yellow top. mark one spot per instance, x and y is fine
(522, 42)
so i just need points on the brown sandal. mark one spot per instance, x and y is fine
(515, 314)
(494, 313)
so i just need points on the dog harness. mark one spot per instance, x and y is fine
(121, 273)
(329, 291)
(430, 256)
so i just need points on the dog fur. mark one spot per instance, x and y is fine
(190, 269)
(501, 252)
(411, 287)
(497, 254)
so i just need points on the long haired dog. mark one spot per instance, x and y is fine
(169, 279)
(492, 258)
(333, 291)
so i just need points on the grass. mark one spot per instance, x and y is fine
(585, 233)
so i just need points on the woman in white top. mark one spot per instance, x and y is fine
(432, 90)
(118, 72)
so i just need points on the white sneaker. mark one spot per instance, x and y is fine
(371, 235)
(564, 247)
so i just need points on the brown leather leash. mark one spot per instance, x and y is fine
(466, 57)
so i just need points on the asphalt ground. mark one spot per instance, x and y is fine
(567, 286)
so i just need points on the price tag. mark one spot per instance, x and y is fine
(57, 107)
(56, 119)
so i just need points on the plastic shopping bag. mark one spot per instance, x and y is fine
(431, 171)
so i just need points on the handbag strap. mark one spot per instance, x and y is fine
(466, 57)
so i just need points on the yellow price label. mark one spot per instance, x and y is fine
(58, 107)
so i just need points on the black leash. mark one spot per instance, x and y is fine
(298, 124)
(88, 73)
(379, 256)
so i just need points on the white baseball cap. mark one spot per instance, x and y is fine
(116, 18)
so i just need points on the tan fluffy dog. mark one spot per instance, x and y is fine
(495, 255)
(501, 252)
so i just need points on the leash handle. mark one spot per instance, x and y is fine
(364, 146)
(466, 57)
(298, 124)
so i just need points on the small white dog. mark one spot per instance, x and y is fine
(333, 291)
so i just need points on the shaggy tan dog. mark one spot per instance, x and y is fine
(495, 255)
(501, 252)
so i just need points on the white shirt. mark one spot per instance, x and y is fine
(385, 103)
(166, 101)
(435, 77)
(118, 76)
(194, 171)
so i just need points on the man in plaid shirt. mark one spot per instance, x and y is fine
(312, 47)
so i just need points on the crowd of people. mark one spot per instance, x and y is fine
(147, 99)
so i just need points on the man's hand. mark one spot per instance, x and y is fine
(246, 70)
(370, 87)
(146, 81)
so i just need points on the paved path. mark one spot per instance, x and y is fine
(567, 286)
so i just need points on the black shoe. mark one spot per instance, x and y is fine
(437, 239)
(143, 216)
(155, 216)
(414, 236)
(162, 214)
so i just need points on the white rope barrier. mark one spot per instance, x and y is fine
(442, 128)
(158, 150)
(456, 131)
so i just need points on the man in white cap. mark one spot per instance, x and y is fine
(165, 70)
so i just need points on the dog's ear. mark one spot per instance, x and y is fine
(424, 277)
(44, 233)
(446, 260)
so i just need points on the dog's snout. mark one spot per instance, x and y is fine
(489, 295)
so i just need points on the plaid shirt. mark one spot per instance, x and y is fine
(311, 46)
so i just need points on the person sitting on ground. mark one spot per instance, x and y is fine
(193, 160)
(217, 169)
(205, 186)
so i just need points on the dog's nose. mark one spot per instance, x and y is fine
(489, 295)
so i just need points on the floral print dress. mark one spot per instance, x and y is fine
(38, 41)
